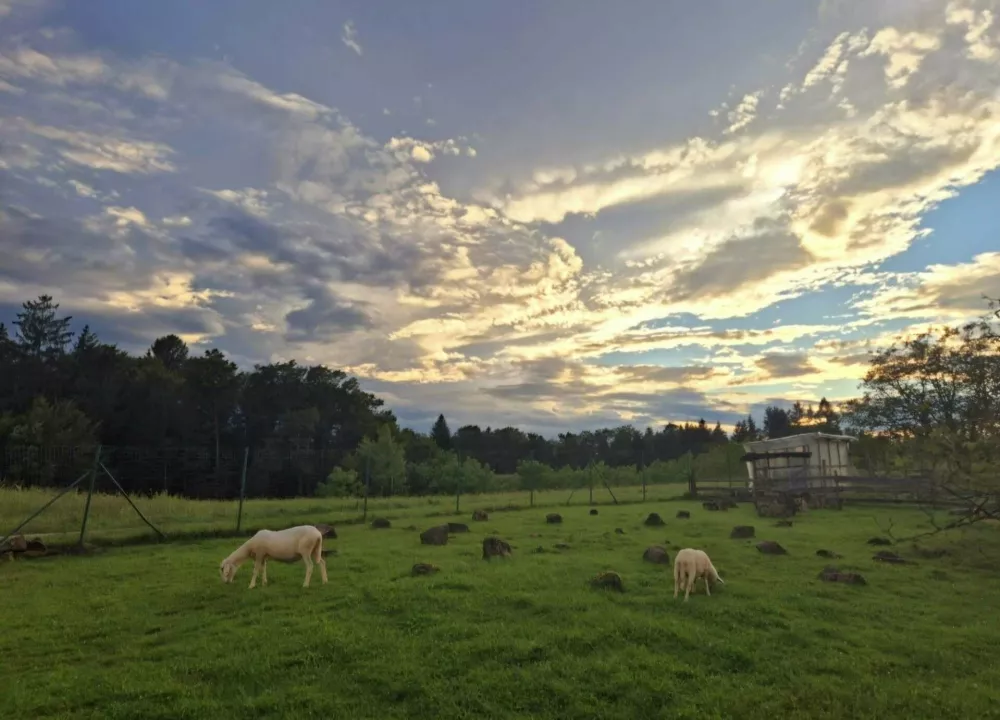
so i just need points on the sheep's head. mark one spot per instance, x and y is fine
(228, 571)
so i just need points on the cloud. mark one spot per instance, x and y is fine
(349, 36)
(779, 365)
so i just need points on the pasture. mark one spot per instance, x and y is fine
(150, 631)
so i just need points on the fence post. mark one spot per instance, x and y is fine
(368, 483)
(590, 480)
(243, 487)
(642, 461)
(90, 495)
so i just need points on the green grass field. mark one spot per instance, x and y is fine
(149, 631)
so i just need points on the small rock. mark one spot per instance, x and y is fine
(879, 541)
(380, 524)
(783, 523)
(495, 547)
(725, 504)
(888, 557)
(437, 535)
(713, 505)
(553, 518)
(619, 531)
(742, 532)
(683, 515)
(561, 546)
(456, 527)
(832, 574)
(480, 515)
(656, 554)
(608, 581)
(593, 511)
(653, 520)
(424, 569)
(828, 554)
(769, 547)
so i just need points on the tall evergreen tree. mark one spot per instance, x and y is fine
(441, 433)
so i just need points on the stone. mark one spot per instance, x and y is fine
(726, 504)
(553, 518)
(16, 543)
(480, 515)
(380, 524)
(742, 532)
(537, 551)
(653, 520)
(456, 527)
(424, 569)
(327, 531)
(495, 547)
(35, 548)
(783, 523)
(437, 535)
(712, 506)
(656, 554)
(832, 574)
(561, 546)
(683, 515)
(829, 554)
(879, 541)
(887, 556)
(930, 553)
(608, 580)
(769, 547)
(593, 511)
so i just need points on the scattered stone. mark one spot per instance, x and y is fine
(769, 547)
(683, 515)
(712, 505)
(776, 509)
(828, 554)
(654, 520)
(593, 511)
(608, 581)
(888, 557)
(879, 541)
(725, 504)
(832, 574)
(930, 553)
(656, 554)
(456, 527)
(561, 546)
(327, 531)
(437, 535)
(495, 547)
(480, 515)
(553, 518)
(537, 551)
(380, 524)
(619, 531)
(742, 532)
(424, 569)
(783, 523)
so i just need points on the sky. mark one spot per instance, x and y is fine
(559, 215)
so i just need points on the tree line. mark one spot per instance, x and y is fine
(177, 422)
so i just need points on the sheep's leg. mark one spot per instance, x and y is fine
(257, 564)
(690, 584)
(676, 585)
(264, 572)
(320, 560)
(309, 569)
(707, 590)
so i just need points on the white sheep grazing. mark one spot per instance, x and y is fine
(691, 564)
(287, 545)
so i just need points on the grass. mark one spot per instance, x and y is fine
(149, 631)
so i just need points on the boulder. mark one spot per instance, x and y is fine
(16, 543)
(829, 554)
(437, 535)
(742, 532)
(769, 547)
(495, 547)
(593, 511)
(380, 524)
(561, 546)
(888, 557)
(879, 541)
(327, 530)
(608, 580)
(480, 515)
(783, 523)
(683, 515)
(712, 506)
(553, 518)
(653, 520)
(656, 554)
(424, 569)
(455, 527)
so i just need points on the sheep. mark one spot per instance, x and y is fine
(689, 565)
(284, 545)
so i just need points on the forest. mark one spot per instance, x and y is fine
(172, 421)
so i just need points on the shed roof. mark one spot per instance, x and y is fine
(794, 440)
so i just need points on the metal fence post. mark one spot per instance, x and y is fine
(90, 495)
(243, 487)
